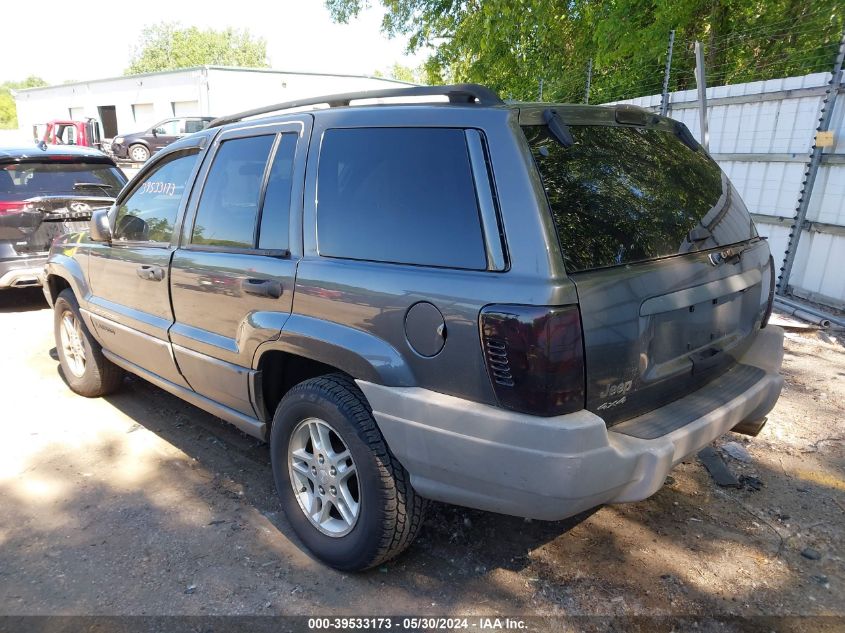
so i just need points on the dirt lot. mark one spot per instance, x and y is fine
(142, 504)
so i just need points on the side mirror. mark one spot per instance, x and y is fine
(158, 130)
(99, 226)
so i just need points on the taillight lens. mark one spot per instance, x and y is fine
(14, 207)
(535, 357)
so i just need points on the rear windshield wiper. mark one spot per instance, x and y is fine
(558, 128)
(90, 185)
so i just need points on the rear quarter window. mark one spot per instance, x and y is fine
(399, 195)
(622, 195)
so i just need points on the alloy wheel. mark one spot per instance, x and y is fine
(324, 477)
(72, 345)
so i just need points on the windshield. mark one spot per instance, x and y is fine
(621, 195)
(19, 181)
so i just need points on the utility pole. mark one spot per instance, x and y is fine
(826, 114)
(664, 100)
(701, 82)
(589, 80)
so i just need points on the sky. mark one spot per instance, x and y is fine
(90, 43)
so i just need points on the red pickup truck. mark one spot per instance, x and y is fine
(66, 132)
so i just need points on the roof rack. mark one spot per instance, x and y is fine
(457, 93)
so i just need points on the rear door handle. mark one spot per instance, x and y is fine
(262, 287)
(150, 273)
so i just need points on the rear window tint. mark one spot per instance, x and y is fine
(19, 181)
(401, 195)
(621, 195)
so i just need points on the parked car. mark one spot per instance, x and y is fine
(139, 146)
(47, 191)
(531, 309)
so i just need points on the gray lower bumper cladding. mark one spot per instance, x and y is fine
(493, 459)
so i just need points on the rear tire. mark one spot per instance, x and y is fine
(138, 153)
(388, 513)
(85, 369)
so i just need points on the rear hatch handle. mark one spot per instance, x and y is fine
(706, 358)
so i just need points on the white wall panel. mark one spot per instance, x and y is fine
(828, 202)
(819, 265)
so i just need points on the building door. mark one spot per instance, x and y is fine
(144, 114)
(108, 118)
(185, 108)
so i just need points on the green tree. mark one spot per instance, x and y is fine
(167, 46)
(511, 45)
(402, 73)
(8, 111)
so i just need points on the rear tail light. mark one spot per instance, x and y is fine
(535, 357)
(14, 207)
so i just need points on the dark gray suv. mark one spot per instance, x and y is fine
(525, 308)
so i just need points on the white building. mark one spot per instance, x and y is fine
(133, 103)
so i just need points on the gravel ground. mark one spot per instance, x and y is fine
(142, 504)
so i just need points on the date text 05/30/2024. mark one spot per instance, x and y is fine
(411, 623)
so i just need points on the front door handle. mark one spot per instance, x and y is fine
(262, 287)
(150, 273)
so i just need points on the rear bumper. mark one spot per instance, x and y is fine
(492, 459)
(21, 273)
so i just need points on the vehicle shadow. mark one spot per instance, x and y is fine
(22, 300)
(449, 532)
(665, 555)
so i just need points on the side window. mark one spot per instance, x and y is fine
(228, 209)
(193, 125)
(149, 212)
(401, 195)
(168, 128)
(275, 212)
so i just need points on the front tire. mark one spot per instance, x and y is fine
(85, 369)
(347, 497)
(139, 153)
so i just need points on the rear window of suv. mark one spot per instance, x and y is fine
(621, 195)
(399, 195)
(19, 181)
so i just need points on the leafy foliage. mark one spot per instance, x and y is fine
(8, 111)
(401, 73)
(166, 46)
(511, 45)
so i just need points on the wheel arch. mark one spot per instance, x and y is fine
(63, 271)
(309, 347)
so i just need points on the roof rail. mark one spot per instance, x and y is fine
(457, 93)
